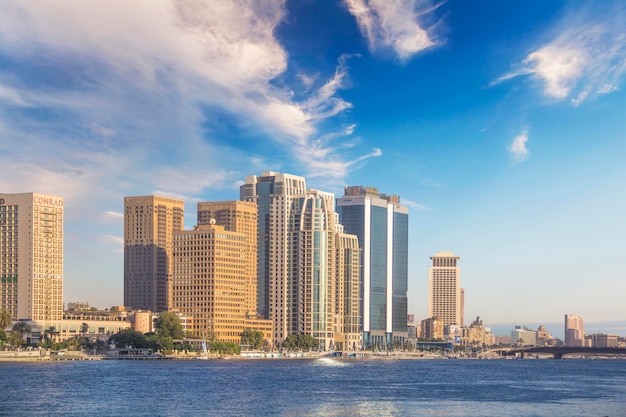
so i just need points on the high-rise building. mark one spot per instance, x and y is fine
(31, 256)
(210, 276)
(308, 267)
(314, 285)
(149, 226)
(574, 330)
(381, 225)
(274, 195)
(238, 216)
(444, 292)
(348, 333)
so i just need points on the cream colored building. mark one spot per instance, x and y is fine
(274, 194)
(210, 279)
(574, 330)
(348, 329)
(98, 327)
(432, 328)
(238, 216)
(149, 226)
(444, 292)
(31, 256)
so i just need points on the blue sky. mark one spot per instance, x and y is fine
(500, 124)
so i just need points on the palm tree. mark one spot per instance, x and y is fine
(49, 333)
(84, 328)
(6, 319)
(21, 327)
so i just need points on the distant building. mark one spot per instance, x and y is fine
(381, 224)
(143, 321)
(476, 335)
(78, 306)
(31, 265)
(444, 277)
(603, 340)
(462, 306)
(574, 330)
(522, 336)
(149, 226)
(432, 328)
(544, 338)
(503, 340)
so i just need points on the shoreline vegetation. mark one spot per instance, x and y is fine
(47, 356)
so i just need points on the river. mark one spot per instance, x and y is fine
(315, 387)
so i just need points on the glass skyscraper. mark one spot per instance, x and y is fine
(382, 227)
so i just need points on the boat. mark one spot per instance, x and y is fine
(205, 352)
(133, 354)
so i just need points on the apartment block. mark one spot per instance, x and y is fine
(31, 256)
(149, 226)
(444, 292)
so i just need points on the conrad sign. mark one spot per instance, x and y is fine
(47, 201)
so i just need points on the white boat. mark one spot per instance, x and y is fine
(205, 352)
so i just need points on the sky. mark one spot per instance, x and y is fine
(501, 125)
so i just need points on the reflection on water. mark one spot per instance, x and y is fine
(320, 387)
(331, 362)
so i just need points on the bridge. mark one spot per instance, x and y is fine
(561, 351)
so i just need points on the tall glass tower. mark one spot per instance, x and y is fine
(382, 227)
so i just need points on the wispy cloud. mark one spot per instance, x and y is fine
(414, 205)
(394, 24)
(114, 215)
(114, 240)
(139, 113)
(518, 148)
(586, 59)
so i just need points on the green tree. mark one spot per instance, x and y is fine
(252, 338)
(226, 348)
(3, 336)
(130, 337)
(300, 342)
(6, 319)
(168, 325)
(21, 327)
(16, 339)
(84, 328)
(49, 335)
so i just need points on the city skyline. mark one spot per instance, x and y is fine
(498, 124)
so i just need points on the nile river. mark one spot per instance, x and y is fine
(315, 387)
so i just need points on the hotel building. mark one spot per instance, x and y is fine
(31, 256)
(381, 225)
(444, 292)
(348, 330)
(274, 194)
(209, 282)
(574, 330)
(237, 216)
(149, 226)
(308, 267)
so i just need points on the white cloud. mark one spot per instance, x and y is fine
(585, 60)
(135, 88)
(114, 215)
(413, 204)
(393, 24)
(116, 240)
(518, 148)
